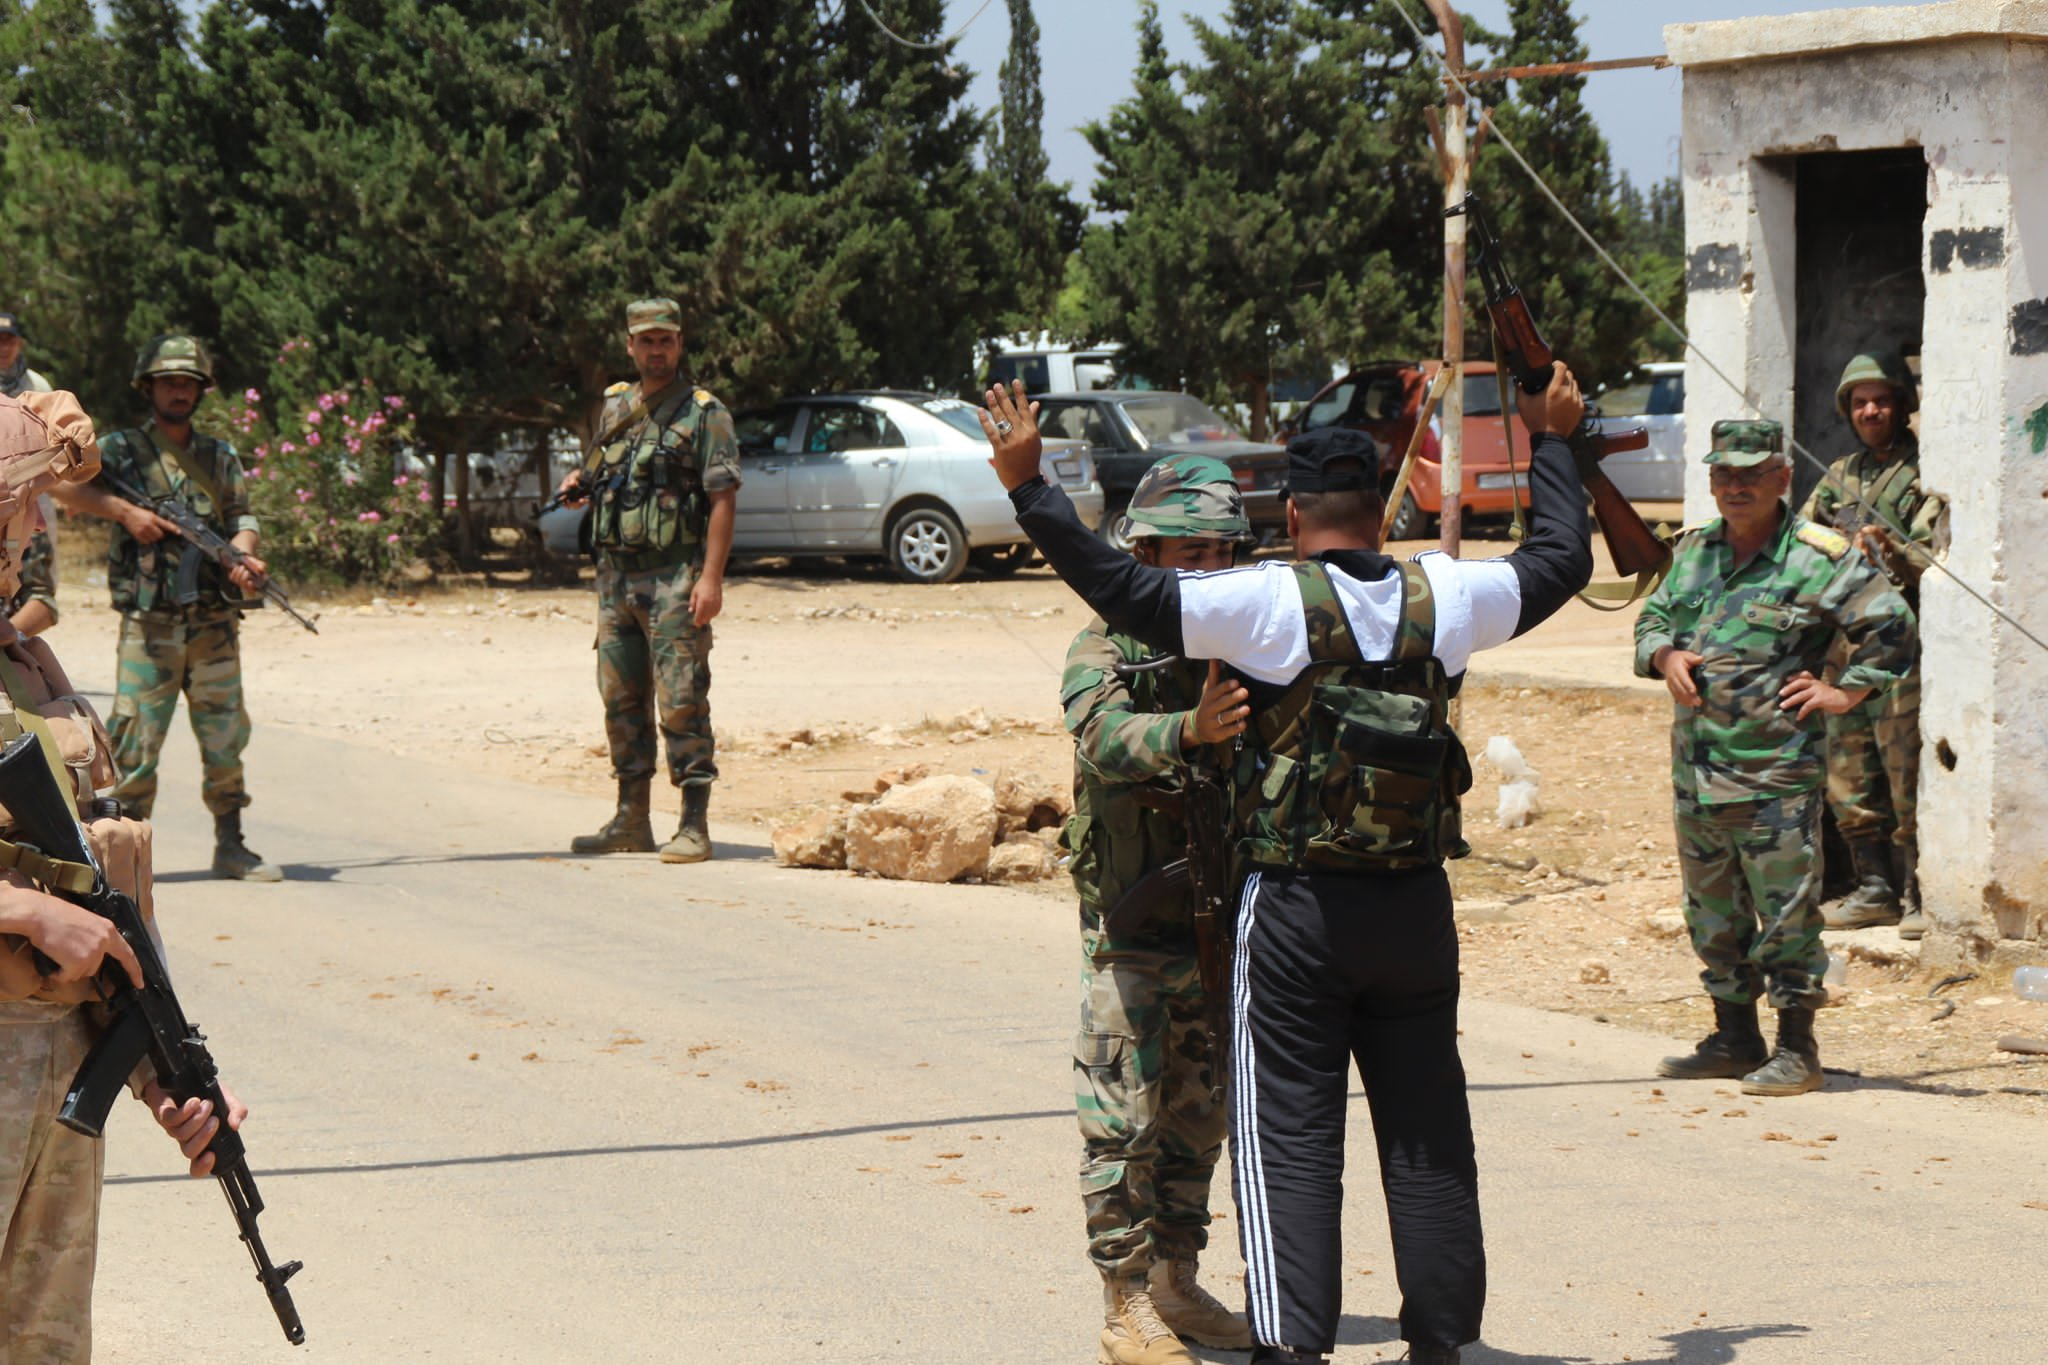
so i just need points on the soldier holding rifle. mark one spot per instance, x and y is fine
(1148, 1079)
(169, 644)
(1874, 749)
(1350, 779)
(51, 950)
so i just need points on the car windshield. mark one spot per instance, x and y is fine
(955, 414)
(1174, 417)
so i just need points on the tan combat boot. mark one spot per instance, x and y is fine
(1794, 1068)
(1193, 1312)
(630, 830)
(1132, 1333)
(1875, 901)
(233, 860)
(692, 843)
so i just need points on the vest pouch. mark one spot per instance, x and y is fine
(1382, 777)
(644, 505)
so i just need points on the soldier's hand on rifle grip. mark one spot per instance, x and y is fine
(1221, 714)
(1557, 410)
(145, 525)
(74, 939)
(192, 1124)
(571, 492)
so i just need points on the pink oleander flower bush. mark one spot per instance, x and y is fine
(328, 476)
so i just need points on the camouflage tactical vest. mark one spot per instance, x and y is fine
(1356, 767)
(1114, 840)
(144, 577)
(649, 483)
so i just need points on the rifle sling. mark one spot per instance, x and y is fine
(189, 465)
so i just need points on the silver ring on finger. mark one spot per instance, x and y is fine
(1003, 428)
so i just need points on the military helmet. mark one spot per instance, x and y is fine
(1876, 369)
(1191, 497)
(173, 354)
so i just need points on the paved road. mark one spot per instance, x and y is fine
(517, 1108)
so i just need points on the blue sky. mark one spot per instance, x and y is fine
(1088, 46)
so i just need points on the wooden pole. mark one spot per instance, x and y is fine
(1457, 173)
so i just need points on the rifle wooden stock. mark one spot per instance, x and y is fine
(1631, 543)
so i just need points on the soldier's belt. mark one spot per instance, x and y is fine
(641, 561)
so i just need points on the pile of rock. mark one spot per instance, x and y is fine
(913, 826)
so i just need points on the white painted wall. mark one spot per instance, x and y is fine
(1964, 81)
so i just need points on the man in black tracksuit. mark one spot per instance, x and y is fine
(1346, 949)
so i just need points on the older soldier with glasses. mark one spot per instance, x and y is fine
(1739, 632)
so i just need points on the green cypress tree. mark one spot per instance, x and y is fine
(1040, 221)
(1248, 197)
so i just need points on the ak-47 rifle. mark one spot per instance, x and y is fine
(202, 543)
(1631, 543)
(147, 1020)
(1201, 875)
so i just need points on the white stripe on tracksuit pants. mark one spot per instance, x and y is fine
(1331, 970)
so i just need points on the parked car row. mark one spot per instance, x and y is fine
(1385, 399)
(901, 475)
(905, 476)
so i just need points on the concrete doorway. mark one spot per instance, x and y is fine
(1858, 282)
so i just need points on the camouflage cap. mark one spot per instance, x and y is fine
(653, 315)
(1741, 444)
(1191, 497)
(1871, 368)
(173, 354)
(10, 325)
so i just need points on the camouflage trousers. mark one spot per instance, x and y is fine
(1752, 897)
(654, 673)
(1874, 764)
(46, 1264)
(158, 657)
(1143, 1079)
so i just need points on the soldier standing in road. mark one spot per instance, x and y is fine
(662, 476)
(1348, 804)
(167, 646)
(1146, 1079)
(1874, 749)
(1738, 632)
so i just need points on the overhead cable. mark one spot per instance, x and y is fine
(1621, 272)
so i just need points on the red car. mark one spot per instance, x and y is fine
(1384, 399)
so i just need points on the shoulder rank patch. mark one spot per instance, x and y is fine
(704, 398)
(615, 390)
(1831, 543)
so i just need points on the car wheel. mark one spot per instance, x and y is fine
(1410, 522)
(1110, 529)
(1000, 561)
(926, 545)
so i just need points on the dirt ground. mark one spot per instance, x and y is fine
(827, 675)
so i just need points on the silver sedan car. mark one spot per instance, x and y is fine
(897, 474)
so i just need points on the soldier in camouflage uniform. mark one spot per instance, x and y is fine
(663, 475)
(33, 608)
(49, 1224)
(167, 646)
(1738, 632)
(1873, 496)
(1145, 1068)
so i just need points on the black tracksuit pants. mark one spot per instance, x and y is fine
(1332, 968)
